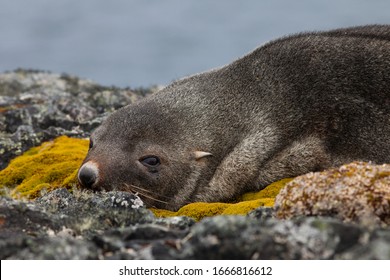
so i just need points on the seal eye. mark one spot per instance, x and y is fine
(150, 161)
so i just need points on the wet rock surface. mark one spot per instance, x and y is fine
(37, 106)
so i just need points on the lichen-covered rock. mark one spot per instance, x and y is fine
(357, 192)
(377, 247)
(178, 222)
(114, 225)
(37, 106)
(235, 237)
(56, 248)
(61, 225)
(85, 212)
(15, 215)
(262, 213)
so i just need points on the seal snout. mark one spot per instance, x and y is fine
(88, 174)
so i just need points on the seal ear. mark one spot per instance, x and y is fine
(200, 154)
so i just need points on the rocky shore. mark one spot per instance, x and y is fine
(39, 106)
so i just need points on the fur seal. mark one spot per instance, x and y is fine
(301, 103)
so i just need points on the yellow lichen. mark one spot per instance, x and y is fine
(48, 166)
(54, 164)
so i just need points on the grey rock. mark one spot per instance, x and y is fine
(57, 248)
(262, 213)
(371, 247)
(179, 222)
(114, 225)
(37, 106)
(238, 237)
(87, 212)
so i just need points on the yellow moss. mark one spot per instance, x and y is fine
(69, 180)
(162, 213)
(200, 210)
(270, 191)
(196, 210)
(48, 166)
(248, 202)
(242, 208)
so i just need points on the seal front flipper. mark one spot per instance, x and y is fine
(238, 171)
(242, 171)
(302, 155)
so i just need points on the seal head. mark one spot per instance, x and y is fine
(141, 150)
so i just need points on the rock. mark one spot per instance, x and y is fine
(115, 225)
(178, 222)
(20, 218)
(37, 106)
(377, 247)
(357, 192)
(56, 248)
(85, 212)
(262, 213)
(61, 225)
(238, 237)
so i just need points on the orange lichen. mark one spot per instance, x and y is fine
(355, 192)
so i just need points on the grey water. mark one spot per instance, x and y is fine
(147, 42)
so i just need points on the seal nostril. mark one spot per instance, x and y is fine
(87, 176)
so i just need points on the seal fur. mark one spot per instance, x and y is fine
(301, 103)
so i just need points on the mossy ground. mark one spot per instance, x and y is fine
(244, 204)
(46, 167)
(54, 164)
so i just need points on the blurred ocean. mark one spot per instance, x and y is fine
(143, 42)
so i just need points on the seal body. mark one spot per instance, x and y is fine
(297, 104)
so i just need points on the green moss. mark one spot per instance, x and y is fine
(48, 166)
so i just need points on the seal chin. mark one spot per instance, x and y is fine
(88, 174)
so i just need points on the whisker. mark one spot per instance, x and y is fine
(139, 191)
(154, 199)
(137, 188)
